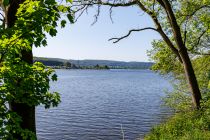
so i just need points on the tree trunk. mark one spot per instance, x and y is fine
(191, 78)
(188, 68)
(26, 112)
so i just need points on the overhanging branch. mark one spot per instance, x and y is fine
(115, 40)
(81, 6)
(106, 3)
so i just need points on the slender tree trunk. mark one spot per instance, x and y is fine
(26, 112)
(186, 62)
(191, 78)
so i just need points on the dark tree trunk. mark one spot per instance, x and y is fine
(186, 62)
(191, 78)
(26, 112)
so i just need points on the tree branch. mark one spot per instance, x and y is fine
(128, 34)
(83, 5)
(100, 2)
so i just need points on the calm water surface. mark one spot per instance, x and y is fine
(100, 105)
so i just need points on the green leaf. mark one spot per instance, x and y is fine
(6, 2)
(70, 18)
(44, 43)
(63, 23)
(53, 32)
(69, 1)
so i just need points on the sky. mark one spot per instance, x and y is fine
(83, 41)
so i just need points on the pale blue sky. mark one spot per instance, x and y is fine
(83, 41)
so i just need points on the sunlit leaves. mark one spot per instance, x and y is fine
(165, 60)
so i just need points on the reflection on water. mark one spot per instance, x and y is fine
(95, 104)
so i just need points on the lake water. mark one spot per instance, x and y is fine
(103, 105)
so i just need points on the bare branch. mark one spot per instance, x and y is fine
(113, 4)
(81, 6)
(128, 34)
(83, 9)
(97, 14)
(110, 14)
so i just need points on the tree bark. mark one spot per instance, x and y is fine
(26, 112)
(191, 78)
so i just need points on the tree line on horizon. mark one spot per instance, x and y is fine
(92, 64)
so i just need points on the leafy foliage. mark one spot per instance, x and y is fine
(20, 81)
(165, 60)
(193, 125)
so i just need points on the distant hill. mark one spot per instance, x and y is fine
(92, 63)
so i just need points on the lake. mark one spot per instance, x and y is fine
(103, 105)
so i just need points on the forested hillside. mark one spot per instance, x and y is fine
(91, 63)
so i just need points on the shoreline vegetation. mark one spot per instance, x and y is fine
(187, 123)
(97, 67)
(57, 63)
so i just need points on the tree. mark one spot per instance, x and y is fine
(24, 85)
(172, 19)
(97, 66)
(67, 64)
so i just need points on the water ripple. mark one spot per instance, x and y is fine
(95, 104)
